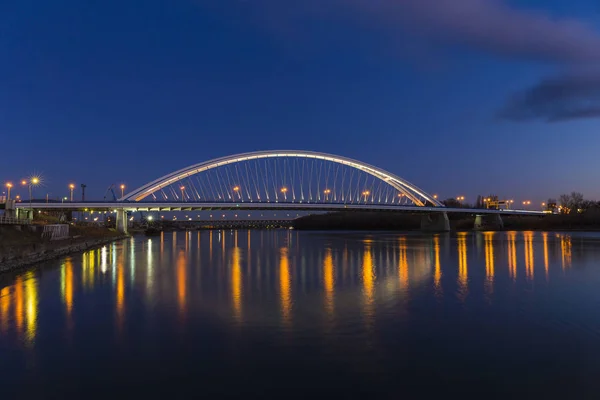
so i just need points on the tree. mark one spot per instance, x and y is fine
(452, 203)
(565, 200)
(576, 202)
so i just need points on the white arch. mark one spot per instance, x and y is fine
(403, 186)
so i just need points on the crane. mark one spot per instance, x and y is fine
(111, 190)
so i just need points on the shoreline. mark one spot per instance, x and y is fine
(38, 253)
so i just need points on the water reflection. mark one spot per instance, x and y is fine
(299, 276)
(31, 295)
(546, 264)
(463, 272)
(368, 278)
(4, 306)
(490, 269)
(236, 282)
(565, 250)
(328, 280)
(181, 281)
(512, 255)
(529, 257)
(437, 274)
(285, 287)
(403, 265)
(67, 284)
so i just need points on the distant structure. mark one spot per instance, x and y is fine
(492, 203)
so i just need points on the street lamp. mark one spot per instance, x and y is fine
(366, 193)
(71, 188)
(9, 186)
(122, 190)
(34, 181)
(182, 189)
(326, 191)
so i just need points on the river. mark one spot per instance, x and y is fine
(286, 313)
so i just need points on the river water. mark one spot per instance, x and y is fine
(287, 313)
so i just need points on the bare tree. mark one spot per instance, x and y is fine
(576, 202)
(564, 200)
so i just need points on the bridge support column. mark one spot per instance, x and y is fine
(122, 220)
(488, 221)
(435, 222)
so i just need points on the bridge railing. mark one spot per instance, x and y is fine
(13, 221)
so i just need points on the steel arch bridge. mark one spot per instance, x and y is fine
(283, 176)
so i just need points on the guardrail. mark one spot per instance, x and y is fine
(13, 221)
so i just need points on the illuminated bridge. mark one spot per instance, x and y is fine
(279, 180)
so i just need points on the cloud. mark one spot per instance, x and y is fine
(557, 99)
(490, 26)
(494, 27)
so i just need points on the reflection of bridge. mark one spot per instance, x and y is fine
(280, 180)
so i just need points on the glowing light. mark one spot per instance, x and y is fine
(236, 282)
(181, 280)
(284, 190)
(489, 262)
(368, 278)
(236, 189)
(71, 186)
(437, 275)
(285, 287)
(403, 264)
(512, 255)
(463, 273)
(328, 280)
(9, 185)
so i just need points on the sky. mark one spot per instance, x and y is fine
(460, 97)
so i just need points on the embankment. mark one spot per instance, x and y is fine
(374, 221)
(21, 248)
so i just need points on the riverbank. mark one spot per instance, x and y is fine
(388, 221)
(21, 248)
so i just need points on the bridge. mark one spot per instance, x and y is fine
(280, 180)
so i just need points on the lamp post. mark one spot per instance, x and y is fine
(8, 186)
(122, 190)
(71, 188)
(32, 182)
(366, 193)
(182, 189)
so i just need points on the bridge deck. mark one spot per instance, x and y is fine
(179, 206)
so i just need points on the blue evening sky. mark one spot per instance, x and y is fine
(102, 92)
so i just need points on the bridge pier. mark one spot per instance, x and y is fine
(435, 222)
(122, 220)
(488, 221)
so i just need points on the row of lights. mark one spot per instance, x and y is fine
(285, 190)
(35, 181)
